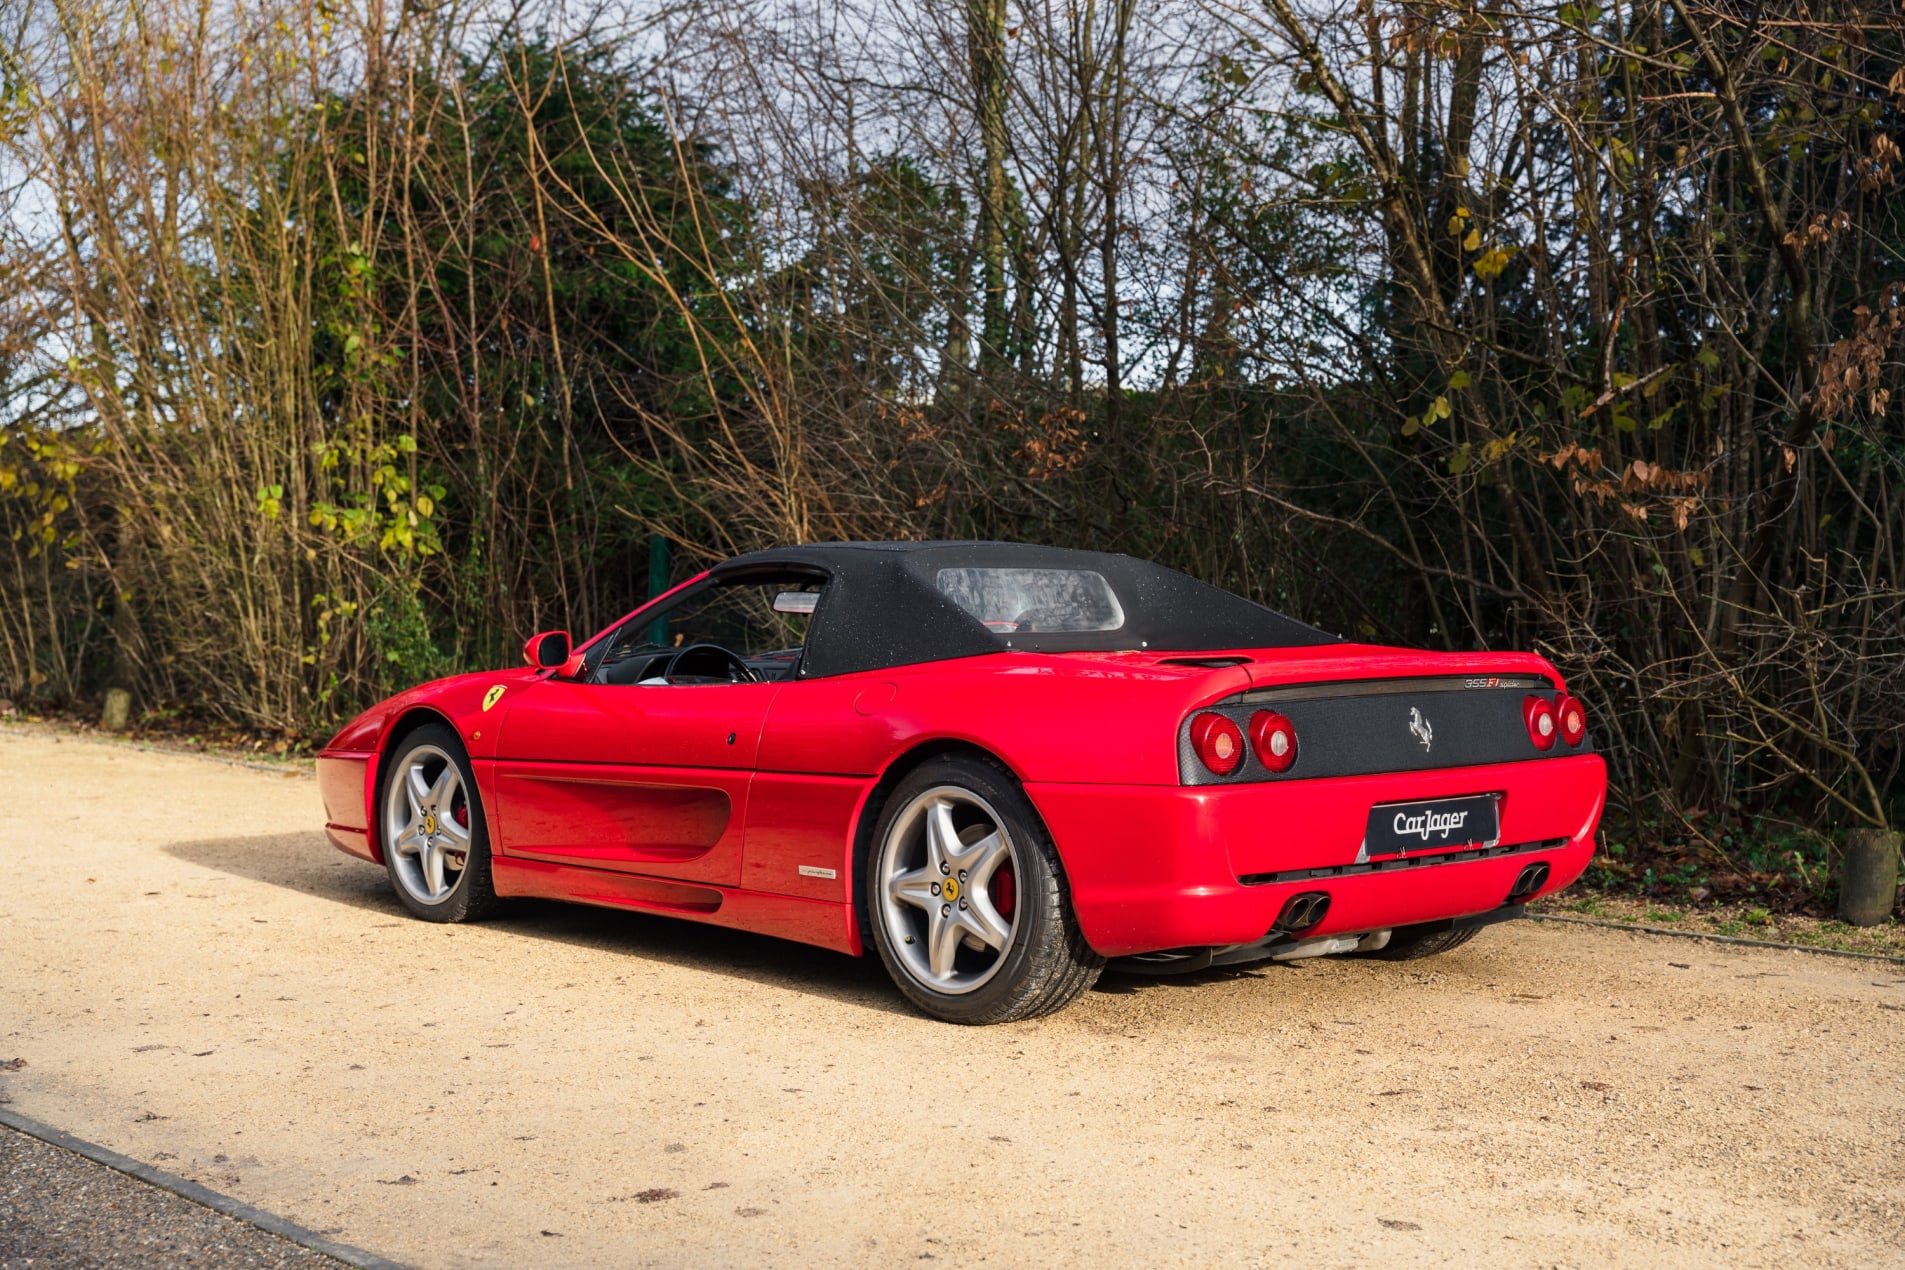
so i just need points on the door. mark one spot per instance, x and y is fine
(644, 762)
(642, 779)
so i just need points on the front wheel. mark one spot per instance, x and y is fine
(967, 899)
(436, 843)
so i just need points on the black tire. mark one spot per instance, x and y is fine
(472, 892)
(1410, 943)
(1045, 964)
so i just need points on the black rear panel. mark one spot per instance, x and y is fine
(1393, 725)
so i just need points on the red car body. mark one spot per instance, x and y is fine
(741, 805)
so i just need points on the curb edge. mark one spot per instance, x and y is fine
(203, 1196)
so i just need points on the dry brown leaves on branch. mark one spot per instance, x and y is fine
(1677, 486)
(1855, 363)
(1876, 170)
(1051, 445)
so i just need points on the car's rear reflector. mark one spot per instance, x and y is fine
(1573, 719)
(1539, 716)
(1274, 738)
(1219, 743)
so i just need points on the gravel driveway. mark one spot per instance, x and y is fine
(196, 980)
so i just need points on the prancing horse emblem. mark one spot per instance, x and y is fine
(1419, 725)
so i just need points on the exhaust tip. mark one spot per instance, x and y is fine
(1301, 911)
(1528, 881)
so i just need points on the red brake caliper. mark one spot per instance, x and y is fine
(461, 812)
(1001, 891)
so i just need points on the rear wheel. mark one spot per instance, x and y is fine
(436, 843)
(1408, 943)
(967, 900)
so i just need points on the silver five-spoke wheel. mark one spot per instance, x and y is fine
(948, 869)
(965, 896)
(427, 824)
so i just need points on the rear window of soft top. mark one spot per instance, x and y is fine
(1034, 601)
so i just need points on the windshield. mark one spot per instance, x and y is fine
(1034, 601)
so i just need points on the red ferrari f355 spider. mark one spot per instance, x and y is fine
(1001, 765)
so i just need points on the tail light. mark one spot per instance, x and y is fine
(1219, 743)
(1539, 716)
(1274, 739)
(1572, 717)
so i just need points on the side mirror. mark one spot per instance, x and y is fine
(547, 650)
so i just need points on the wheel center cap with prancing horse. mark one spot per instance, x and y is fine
(950, 888)
(430, 825)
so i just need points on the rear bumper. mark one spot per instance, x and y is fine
(1157, 867)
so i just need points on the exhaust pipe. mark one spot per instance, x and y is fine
(1279, 947)
(1324, 947)
(1530, 880)
(1301, 911)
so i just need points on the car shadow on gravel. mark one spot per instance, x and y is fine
(309, 865)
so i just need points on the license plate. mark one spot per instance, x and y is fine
(1441, 825)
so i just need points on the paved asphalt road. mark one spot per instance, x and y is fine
(62, 1210)
(197, 981)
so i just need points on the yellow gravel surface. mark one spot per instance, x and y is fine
(197, 980)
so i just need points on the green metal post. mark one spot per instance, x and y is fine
(659, 565)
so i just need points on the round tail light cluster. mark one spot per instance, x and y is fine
(1565, 719)
(1539, 716)
(1274, 739)
(1219, 743)
(1573, 720)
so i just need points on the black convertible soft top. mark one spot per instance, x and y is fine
(887, 604)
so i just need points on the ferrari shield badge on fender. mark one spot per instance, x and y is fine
(491, 697)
